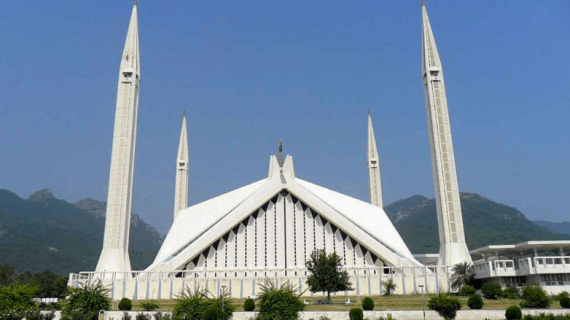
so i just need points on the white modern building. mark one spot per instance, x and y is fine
(543, 263)
(267, 229)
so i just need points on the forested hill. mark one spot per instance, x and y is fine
(486, 222)
(44, 233)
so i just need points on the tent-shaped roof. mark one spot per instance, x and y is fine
(197, 227)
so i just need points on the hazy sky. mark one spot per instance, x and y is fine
(252, 72)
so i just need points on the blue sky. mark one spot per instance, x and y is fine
(252, 72)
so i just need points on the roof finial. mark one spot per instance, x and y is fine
(280, 156)
(135, 2)
(369, 113)
(184, 113)
(423, 3)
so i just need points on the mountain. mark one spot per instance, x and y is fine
(560, 227)
(486, 222)
(44, 233)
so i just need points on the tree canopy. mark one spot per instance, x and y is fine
(327, 273)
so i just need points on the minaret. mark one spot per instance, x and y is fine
(373, 163)
(181, 187)
(115, 254)
(450, 221)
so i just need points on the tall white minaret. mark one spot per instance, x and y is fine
(450, 221)
(373, 163)
(115, 254)
(181, 187)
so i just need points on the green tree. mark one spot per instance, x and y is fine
(16, 300)
(389, 286)
(327, 273)
(463, 274)
(279, 302)
(7, 274)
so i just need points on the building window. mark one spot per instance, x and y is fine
(255, 252)
(275, 232)
(324, 237)
(295, 234)
(225, 255)
(344, 251)
(236, 250)
(304, 237)
(245, 244)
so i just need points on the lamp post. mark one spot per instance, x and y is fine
(423, 304)
(223, 291)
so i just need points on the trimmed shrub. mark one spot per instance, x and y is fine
(467, 291)
(492, 290)
(475, 302)
(125, 304)
(249, 305)
(150, 306)
(213, 312)
(535, 297)
(127, 316)
(368, 304)
(565, 302)
(356, 314)
(279, 302)
(162, 316)
(513, 313)
(445, 306)
(511, 293)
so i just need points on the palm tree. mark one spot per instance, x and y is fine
(463, 274)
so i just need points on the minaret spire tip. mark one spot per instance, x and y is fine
(369, 113)
(423, 3)
(184, 114)
(280, 156)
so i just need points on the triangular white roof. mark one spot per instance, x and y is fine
(198, 226)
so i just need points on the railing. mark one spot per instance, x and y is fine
(243, 282)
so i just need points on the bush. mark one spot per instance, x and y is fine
(194, 305)
(565, 302)
(511, 293)
(84, 303)
(279, 302)
(445, 306)
(513, 313)
(126, 316)
(249, 305)
(162, 316)
(368, 304)
(467, 291)
(125, 304)
(356, 314)
(150, 306)
(142, 316)
(16, 300)
(213, 312)
(535, 297)
(475, 302)
(492, 290)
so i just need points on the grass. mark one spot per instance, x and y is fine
(395, 302)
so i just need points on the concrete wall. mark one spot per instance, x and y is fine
(372, 315)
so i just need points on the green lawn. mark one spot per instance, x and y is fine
(396, 302)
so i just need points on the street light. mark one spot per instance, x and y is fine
(423, 304)
(223, 290)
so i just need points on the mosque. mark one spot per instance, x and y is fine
(268, 228)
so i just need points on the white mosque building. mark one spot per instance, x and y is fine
(268, 228)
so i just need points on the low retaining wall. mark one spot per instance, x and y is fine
(372, 315)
